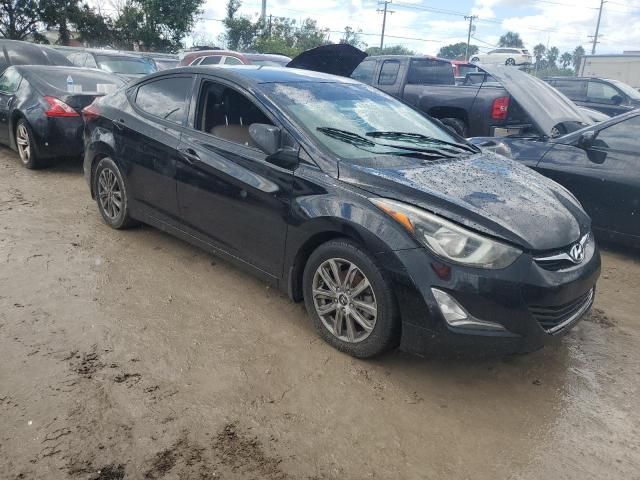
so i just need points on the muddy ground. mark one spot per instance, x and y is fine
(135, 355)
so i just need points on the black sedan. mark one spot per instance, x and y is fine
(392, 229)
(40, 109)
(599, 164)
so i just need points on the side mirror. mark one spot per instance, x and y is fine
(287, 158)
(586, 140)
(267, 137)
(617, 100)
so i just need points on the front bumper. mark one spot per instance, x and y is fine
(532, 302)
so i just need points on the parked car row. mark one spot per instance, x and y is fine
(392, 228)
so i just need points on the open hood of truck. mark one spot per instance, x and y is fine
(336, 59)
(545, 105)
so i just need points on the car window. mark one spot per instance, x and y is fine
(430, 72)
(232, 61)
(598, 92)
(492, 52)
(165, 98)
(90, 62)
(364, 72)
(212, 60)
(10, 81)
(77, 59)
(574, 89)
(622, 136)
(124, 65)
(227, 114)
(389, 72)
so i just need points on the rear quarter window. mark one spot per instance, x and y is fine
(389, 72)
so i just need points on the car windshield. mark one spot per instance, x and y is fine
(125, 65)
(355, 121)
(627, 89)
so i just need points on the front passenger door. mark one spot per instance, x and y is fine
(228, 194)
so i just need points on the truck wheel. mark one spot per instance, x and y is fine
(455, 125)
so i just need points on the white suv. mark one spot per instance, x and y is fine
(504, 56)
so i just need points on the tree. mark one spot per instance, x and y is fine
(538, 52)
(19, 18)
(94, 30)
(393, 50)
(310, 36)
(240, 31)
(155, 24)
(511, 39)
(352, 37)
(457, 51)
(57, 14)
(578, 53)
(566, 59)
(552, 56)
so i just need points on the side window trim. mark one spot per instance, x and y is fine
(132, 94)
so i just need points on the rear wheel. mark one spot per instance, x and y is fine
(26, 145)
(350, 302)
(475, 60)
(510, 62)
(456, 125)
(111, 195)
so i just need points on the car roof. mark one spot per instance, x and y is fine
(250, 75)
(574, 79)
(411, 57)
(274, 56)
(113, 53)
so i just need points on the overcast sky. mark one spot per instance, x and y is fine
(428, 25)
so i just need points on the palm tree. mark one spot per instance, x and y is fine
(552, 56)
(538, 53)
(511, 39)
(566, 59)
(578, 53)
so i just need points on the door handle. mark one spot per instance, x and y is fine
(189, 155)
(119, 124)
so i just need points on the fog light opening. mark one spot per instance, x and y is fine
(456, 316)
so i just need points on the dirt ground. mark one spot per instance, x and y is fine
(135, 355)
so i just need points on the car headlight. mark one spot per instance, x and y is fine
(447, 239)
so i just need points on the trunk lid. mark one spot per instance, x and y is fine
(336, 59)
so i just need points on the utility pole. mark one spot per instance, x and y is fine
(471, 18)
(384, 20)
(595, 37)
(263, 13)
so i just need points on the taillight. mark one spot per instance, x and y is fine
(90, 112)
(500, 108)
(57, 108)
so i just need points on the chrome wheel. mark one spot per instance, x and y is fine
(510, 61)
(23, 142)
(344, 300)
(110, 193)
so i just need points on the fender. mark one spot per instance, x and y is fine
(100, 145)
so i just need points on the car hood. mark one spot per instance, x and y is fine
(336, 59)
(545, 105)
(485, 192)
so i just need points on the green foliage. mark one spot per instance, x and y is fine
(393, 50)
(551, 56)
(94, 29)
(352, 37)
(274, 35)
(511, 39)
(457, 51)
(538, 52)
(578, 53)
(19, 18)
(566, 59)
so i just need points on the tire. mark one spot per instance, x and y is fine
(474, 60)
(456, 125)
(111, 195)
(26, 146)
(510, 62)
(322, 292)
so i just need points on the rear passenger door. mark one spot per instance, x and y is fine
(228, 194)
(148, 141)
(605, 98)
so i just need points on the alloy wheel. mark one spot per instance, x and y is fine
(110, 193)
(344, 300)
(510, 61)
(23, 142)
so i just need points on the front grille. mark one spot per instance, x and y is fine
(555, 265)
(556, 317)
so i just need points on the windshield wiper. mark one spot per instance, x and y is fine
(420, 139)
(361, 142)
(346, 136)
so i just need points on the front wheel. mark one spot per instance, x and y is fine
(510, 62)
(475, 60)
(25, 143)
(111, 195)
(350, 302)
